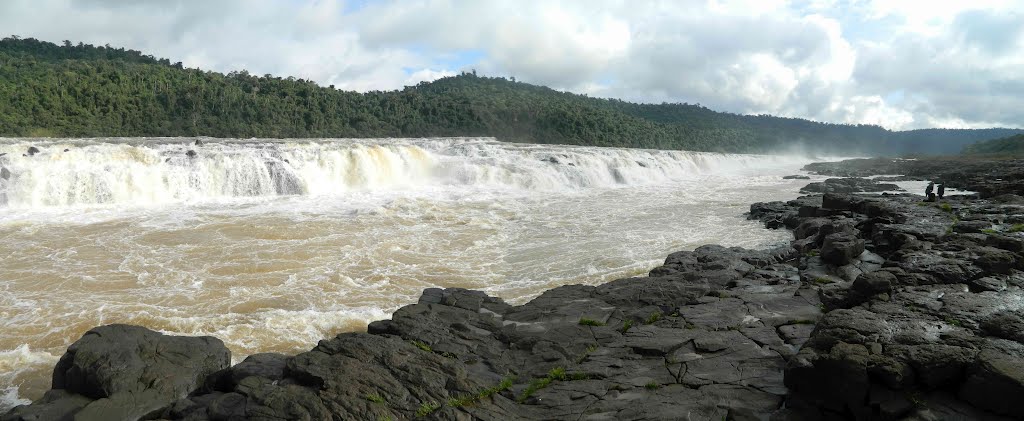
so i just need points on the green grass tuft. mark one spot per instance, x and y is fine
(467, 400)
(653, 318)
(422, 345)
(461, 401)
(652, 386)
(946, 208)
(1016, 228)
(590, 322)
(628, 323)
(821, 280)
(427, 408)
(586, 354)
(375, 398)
(557, 373)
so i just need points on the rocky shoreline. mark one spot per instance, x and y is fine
(882, 307)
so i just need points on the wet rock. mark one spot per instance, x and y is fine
(995, 381)
(796, 177)
(56, 404)
(772, 214)
(128, 372)
(5, 174)
(32, 150)
(848, 185)
(266, 365)
(191, 154)
(841, 248)
(199, 142)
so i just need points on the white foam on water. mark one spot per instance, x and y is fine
(14, 364)
(161, 171)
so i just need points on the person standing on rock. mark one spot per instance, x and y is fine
(942, 190)
(930, 197)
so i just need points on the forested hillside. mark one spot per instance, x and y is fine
(85, 90)
(1009, 146)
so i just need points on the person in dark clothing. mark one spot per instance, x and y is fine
(942, 190)
(928, 192)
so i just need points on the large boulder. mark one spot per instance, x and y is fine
(841, 248)
(127, 372)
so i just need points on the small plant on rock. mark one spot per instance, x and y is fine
(1016, 228)
(628, 323)
(590, 322)
(427, 408)
(585, 354)
(422, 345)
(557, 373)
(652, 386)
(375, 398)
(653, 318)
(460, 401)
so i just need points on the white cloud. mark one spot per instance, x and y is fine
(901, 64)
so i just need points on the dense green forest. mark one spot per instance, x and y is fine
(83, 90)
(1011, 146)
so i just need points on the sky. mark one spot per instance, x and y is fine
(901, 64)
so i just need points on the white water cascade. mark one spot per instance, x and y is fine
(159, 171)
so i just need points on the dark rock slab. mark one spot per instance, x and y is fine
(128, 372)
(849, 185)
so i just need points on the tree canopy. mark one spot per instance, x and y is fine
(81, 90)
(1009, 146)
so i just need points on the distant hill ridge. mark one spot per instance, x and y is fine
(83, 90)
(1010, 146)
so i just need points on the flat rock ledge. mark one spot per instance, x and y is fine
(882, 308)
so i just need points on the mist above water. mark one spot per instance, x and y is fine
(273, 245)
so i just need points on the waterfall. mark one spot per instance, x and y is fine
(145, 171)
